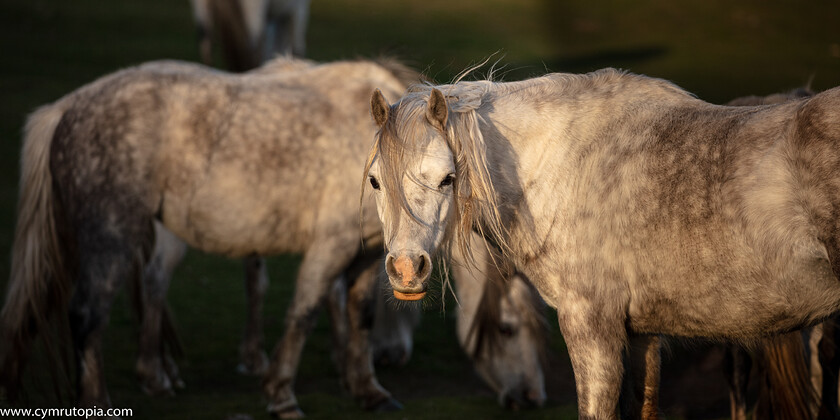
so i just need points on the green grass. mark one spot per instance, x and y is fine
(714, 48)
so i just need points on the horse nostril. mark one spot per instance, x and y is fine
(534, 398)
(421, 265)
(390, 269)
(522, 398)
(511, 403)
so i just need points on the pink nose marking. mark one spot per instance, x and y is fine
(405, 267)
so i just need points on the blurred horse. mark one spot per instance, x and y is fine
(499, 318)
(635, 208)
(251, 31)
(201, 152)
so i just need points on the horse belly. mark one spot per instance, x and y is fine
(729, 303)
(236, 225)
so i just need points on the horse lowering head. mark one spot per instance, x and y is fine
(413, 174)
(506, 341)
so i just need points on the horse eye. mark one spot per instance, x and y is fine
(507, 330)
(374, 183)
(447, 181)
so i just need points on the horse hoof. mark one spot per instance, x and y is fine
(253, 366)
(387, 405)
(158, 392)
(158, 388)
(391, 356)
(293, 412)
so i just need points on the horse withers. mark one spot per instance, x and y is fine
(634, 208)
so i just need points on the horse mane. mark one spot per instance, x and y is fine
(776, 98)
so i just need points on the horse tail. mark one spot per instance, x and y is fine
(786, 389)
(228, 19)
(39, 284)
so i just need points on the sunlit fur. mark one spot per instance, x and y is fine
(634, 207)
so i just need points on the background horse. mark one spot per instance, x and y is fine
(500, 326)
(633, 207)
(200, 151)
(251, 31)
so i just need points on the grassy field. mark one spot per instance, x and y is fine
(714, 48)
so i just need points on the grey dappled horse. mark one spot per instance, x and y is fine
(633, 207)
(198, 150)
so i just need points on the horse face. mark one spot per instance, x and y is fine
(413, 234)
(513, 366)
(414, 192)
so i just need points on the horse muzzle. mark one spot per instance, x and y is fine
(408, 274)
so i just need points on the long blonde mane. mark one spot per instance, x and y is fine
(404, 135)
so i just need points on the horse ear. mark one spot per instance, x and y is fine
(379, 108)
(437, 111)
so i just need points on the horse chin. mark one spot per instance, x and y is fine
(409, 296)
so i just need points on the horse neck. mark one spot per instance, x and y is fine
(521, 125)
(533, 132)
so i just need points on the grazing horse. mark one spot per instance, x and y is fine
(633, 207)
(200, 151)
(251, 31)
(499, 325)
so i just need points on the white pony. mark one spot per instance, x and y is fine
(633, 207)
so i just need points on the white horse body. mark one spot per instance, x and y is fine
(633, 207)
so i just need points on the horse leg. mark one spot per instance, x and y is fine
(155, 368)
(736, 367)
(298, 23)
(337, 307)
(830, 363)
(640, 399)
(253, 359)
(596, 339)
(105, 259)
(361, 304)
(321, 265)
